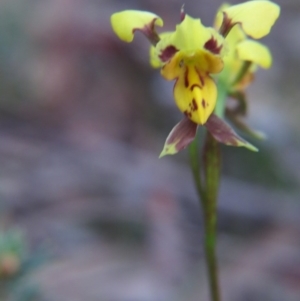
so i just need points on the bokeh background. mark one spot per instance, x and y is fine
(88, 211)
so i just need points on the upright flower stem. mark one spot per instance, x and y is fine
(206, 177)
(207, 193)
(211, 159)
(195, 167)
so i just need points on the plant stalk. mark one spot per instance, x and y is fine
(211, 160)
(207, 192)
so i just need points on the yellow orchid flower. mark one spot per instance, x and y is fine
(193, 53)
(240, 48)
(195, 92)
(244, 55)
(188, 55)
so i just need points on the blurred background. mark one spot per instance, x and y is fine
(88, 211)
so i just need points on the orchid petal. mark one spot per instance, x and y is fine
(157, 56)
(195, 95)
(256, 17)
(223, 133)
(190, 35)
(254, 52)
(195, 92)
(125, 23)
(180, 137)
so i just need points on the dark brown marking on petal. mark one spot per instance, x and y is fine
(194, 86)
(167, 53)
(149, 31)
(204, 103)
(186, 77)
(201, 79)
(226, 25)
(195, 106)
(212, 46)
(187, 114)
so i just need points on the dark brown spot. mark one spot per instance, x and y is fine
(195, 106)
(204, 103)
(167, 53)
(187, 114)
(212, 46)
(186, 77)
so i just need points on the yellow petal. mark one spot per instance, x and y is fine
(155, 62)
(256, 17)
(126, 22)
(255, 52)
(235, 36)
(208, 62)
(172, 69)
(203, 60)
(190, 35)
(154, 52)
(195, 94)
(232, 63)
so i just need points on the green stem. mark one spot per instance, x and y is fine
(211, 159)
(211, 260)
(195, 167)
(207, 193)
